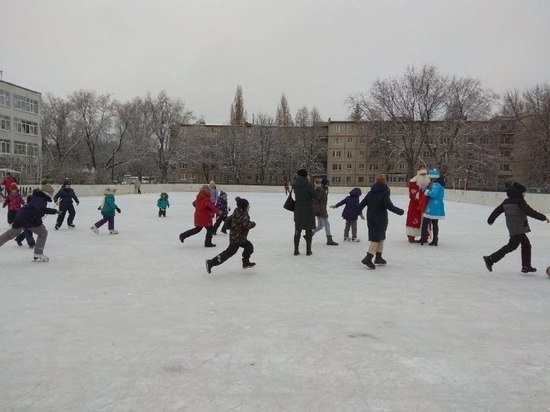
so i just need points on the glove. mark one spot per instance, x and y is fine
(118, 210)
(252, 224)
(401, 212)
(77, 203)
(99, 208)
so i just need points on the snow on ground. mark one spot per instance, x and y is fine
(133, 322)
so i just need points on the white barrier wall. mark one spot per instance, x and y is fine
(539, 202)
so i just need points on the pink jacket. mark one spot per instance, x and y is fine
(14, 201)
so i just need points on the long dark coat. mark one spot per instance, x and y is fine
(320, 204)
(32, 213)
(304, 215)
(378, 203)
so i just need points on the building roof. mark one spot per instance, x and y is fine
(21, 87)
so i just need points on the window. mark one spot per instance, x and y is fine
(349, 154)
(348, 179)
(350, 127)
(336, 153)
(26, 127)
(505, 153)
(507, 139)
(4, 98)
(360, 179)
(361, 153)
(373, 166)
(361, 165)
(4, 122)
(337, 128)
(26, 104)
(336, 179)
(349, 166)
(19, 148)
(362, 140)
(337, 140)
(350, 139)
(4, 146)
(32, 150)
(336, 166)
(505, 167)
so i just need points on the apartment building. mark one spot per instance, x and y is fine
(20, 136)
(483, 157)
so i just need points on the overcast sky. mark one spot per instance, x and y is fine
(316, 52)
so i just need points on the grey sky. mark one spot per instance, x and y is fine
(317, 52)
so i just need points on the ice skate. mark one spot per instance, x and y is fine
(41, 258)
(113, 232)
(94, 229)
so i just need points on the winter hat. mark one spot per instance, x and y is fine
(14, 187)
(164, 195)
(46, 188)
(110, 189)
(519, 187)
(421, 170)
(302, 172)
(223, 194)
(433, 173)
(381, 178)
(324, 181)
(205, 188)
(66, 182)
(241, 203)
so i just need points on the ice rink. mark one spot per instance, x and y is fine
(133, 322)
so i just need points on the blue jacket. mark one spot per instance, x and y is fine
(435, 209)
(32, 213)
(351, 209)
(109, 206)
(163, 203)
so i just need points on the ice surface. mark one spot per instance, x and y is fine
(133, 321)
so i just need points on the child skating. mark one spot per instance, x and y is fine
(221, 205)
(350, 213)
(163, 204)
(516, 210)
(108, 209)
(65, 197)
(14, 201)
(239, 224)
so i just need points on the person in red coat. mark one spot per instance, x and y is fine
(8, 183)
(417, 185)
(205, 210)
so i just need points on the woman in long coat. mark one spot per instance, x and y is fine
(304, 214)
(378, 203)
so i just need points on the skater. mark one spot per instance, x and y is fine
(221, 205)
(213, 192)
(30, 217)
(137, 186)
(163, 204)
(65, 197)
(286, 186)
(350, 213)
(304, 215)
(516, 210)
(239, 224)
(8, 181)
(435, 208)
(204, 212)
(417, 185)
(378, 202)
(14, 201)
(26, 233)
(320, 207)
(108, 208)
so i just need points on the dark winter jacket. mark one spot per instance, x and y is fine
(304, 215)
(378, 203)
(221, 205)
(31, 214)
(239, 226)
(351, 209)
(65, 195)
(516, 210)
(320, 204)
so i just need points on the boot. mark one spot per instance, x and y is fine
(411, 239)
(331, 242)
(367, 260)
(210, 263)
(488, 263)
(379, 260)
(309, 237)
(94, 229)
(296, 243)
(182, 237)
(433, 242)
(528, 269)
(247, 263)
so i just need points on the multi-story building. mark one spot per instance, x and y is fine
(20, 136)
(484, 157)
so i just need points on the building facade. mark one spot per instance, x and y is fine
(20, 133)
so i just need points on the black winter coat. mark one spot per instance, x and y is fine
(31, 214)
(66, 196)
(378, 203)
(304, 215)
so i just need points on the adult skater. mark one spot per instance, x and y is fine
(378, 202)
(30, 216)
(435, 207)
(304, 215)
(516, 210)
(65, 197)
(417, 185)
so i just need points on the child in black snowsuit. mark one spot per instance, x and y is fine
(516, 210)
(222, 206)
(239, 224)
(65, 197)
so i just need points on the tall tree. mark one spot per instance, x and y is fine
(161, 114)
(283, 117)
(238, 114)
